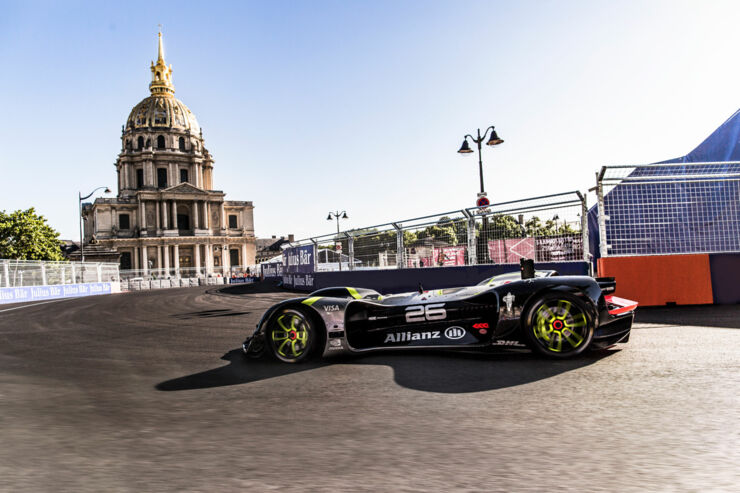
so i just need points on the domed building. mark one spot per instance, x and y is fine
(167, 214)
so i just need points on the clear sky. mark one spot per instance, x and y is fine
(311, 106)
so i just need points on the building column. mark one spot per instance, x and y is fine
(144, 260)
(157, 221)
(166, 259)
(226, 259)
(206, 215)
(164, 215)
(223, 216)
(174, 215)
(243, 260)
(207, 258)
(136, 258)
(196, 255)
(142, 210)
(159, 257)
(176, 259)
(196, 222)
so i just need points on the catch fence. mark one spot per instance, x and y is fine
(29, 273)
(550, 228)
(669, 208)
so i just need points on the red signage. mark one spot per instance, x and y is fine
(482, 202)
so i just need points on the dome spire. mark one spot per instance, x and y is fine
(160, 54)
(161, 84)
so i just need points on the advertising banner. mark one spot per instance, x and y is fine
(559, 248)
(540, 248)
(510, 250)
(298, 260)
(448, 256)
(241, 280)
(36, 293)
(272, 269)
(299, 281)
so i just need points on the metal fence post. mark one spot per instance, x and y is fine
(100, 272)
(584, 227)
(470, 233)
(43, 274)
(6, 272)
(399, 245)
(603, 247)
(315, 255)
(350, 250)
(74, 273)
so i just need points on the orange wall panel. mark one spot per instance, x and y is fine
(660, 279)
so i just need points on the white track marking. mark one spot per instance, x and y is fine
(29, 306)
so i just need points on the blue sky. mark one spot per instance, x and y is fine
(311, 106)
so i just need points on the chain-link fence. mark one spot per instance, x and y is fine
(675, 208)
(22, 273)
(551, 228)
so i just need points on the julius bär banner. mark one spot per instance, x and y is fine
(298, 260)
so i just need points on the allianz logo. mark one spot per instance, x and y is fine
(454, 333)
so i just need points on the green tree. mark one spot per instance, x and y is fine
(504, 226)
(25, 235)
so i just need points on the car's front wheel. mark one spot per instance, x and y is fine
(291, 335)
(558, 325)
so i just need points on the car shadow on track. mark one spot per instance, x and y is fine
(443, 372)
(210, 314)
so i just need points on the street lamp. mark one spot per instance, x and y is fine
(465, 149)
(492, 141)
(338, 215)
(81, 198)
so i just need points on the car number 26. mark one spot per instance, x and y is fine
(421, 313)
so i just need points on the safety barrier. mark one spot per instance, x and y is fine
(403, 280)
(670, 232)
(675, 279)
(35, 280)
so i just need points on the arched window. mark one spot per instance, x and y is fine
(181, 143)
(148, 143)
(160, 142)
(140, 143)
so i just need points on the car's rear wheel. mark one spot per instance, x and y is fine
(558, 325)
(291, 335)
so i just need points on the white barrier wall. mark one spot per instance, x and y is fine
(39, 293)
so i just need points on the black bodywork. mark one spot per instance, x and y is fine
(355, 320)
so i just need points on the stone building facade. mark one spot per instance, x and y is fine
(167, 214)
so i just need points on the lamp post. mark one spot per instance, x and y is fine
(492, 141)
(465, 149)
(338, 215)
(80, 199)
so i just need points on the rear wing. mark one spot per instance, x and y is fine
(607, 284)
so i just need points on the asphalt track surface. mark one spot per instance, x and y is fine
(148, 392)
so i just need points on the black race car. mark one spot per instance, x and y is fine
(556, 316)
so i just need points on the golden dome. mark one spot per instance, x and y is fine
(162, 109)
(162, 112)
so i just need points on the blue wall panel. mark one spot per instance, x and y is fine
(402, 280)
(725, 271)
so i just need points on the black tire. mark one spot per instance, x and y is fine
(558, 325)
(291, 335)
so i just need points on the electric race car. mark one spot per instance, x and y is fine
(555, 316)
